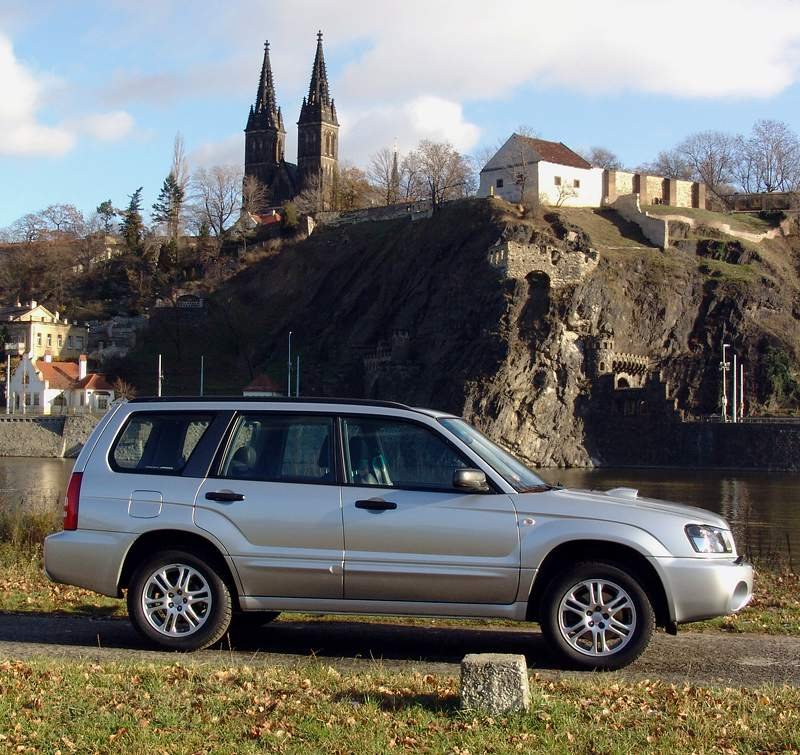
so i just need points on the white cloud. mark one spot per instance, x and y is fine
(228, 151)
(22, 132)
(108, 127)
(426, 117)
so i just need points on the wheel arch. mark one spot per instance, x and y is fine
(152, 542)
(617, 554)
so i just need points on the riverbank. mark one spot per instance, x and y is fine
(45, 437)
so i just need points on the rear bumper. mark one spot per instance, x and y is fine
(699, 588)
(87, 558)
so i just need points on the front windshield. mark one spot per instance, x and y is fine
(511, 468)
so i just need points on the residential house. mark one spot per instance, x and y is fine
(45, 386)
(541, 170)
(33, 329)
(264, 386)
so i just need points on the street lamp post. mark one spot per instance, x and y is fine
(724, 367)
(289, 369)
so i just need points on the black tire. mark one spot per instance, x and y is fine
(636, 613)
(213, 613)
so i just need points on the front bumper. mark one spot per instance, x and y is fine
(87, 558)
(702, 588)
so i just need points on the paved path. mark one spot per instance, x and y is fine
(703, 658)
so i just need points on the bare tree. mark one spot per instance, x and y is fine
(445, 172)
(64, 220)
(412, 186)
(352, 189)
(600, 157)
(313, 197)
(254, 194)
(711, 155)
(769, 159)
(565, 192)
(217, 194)
(669, 163)
(180, 165)
(29, 228)
(383, 173)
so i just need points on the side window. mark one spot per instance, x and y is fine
(158, 442)
(280, 448)
(398, 454)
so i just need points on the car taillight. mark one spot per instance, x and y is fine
(71, 501)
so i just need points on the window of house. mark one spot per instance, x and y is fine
(394, 453)
(557, 180)
(158, 442)
(38, 339)
(36, 399)
(79, 341)
(280, 448)
(60, 341)
(69, 342)
(499, 183)
(576, 183)
(49, 339)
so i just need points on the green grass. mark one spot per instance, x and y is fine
(606, 228)
(739, 221)
(69, 706)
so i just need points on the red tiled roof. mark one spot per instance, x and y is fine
(263, 383)
(58, 374)
(94, 381)
(556, 152)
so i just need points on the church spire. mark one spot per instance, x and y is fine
(318, 90)
(266, 101)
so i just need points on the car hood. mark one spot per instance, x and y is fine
(625, 505)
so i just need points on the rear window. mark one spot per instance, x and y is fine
(158, 442)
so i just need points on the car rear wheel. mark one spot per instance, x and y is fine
(179, 601)
(597, 616)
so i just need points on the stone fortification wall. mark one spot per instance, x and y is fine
(641, 441)
(653, 189)
(412, 210)
(45, 437)
(655, 229)
(562, 267)
(782, 230)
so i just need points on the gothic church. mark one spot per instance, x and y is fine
(317, 137)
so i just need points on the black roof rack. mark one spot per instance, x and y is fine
(270, 400)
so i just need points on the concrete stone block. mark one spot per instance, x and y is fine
(495, 683)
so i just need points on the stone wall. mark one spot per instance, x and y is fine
(642, 441)
(562, 267)
(653, 189)
(655, 229)
(45, 437)
(412, 210)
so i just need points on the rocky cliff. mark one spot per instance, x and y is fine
(503, 318)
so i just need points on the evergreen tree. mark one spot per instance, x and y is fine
(132, 226)
(167, 208)
(107, 214)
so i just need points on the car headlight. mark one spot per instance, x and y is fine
(706, 539)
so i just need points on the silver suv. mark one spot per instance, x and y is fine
(213, 510)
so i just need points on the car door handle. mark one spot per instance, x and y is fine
(376, 504)
(224, 496)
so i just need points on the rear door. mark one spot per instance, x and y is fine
(411, 536)
(274, 501)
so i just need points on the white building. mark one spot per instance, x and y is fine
(42, 386)
(548, 171)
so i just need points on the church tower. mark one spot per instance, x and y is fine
(265, 135)
(318, 133)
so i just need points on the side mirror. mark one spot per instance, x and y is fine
(470, 479)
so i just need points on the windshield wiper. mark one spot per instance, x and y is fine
(544, 487)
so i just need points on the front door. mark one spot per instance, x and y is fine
(275, 504)
(409, 534)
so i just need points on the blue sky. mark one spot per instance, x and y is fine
(93, 93)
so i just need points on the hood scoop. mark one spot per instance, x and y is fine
(623, 493)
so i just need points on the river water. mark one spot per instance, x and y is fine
(763, 507)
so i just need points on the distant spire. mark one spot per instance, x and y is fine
(266, 101)
(318, 90)
(394, 178)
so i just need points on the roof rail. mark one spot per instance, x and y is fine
(269, 400)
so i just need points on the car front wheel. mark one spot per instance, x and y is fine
(596, 616)
(178, 601)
